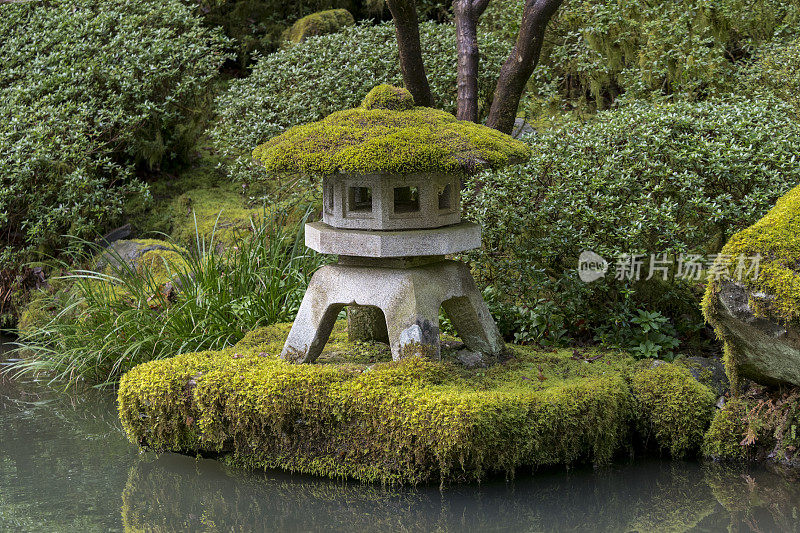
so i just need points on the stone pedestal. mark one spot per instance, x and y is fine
(409, 292)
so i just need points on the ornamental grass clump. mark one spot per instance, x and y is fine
(108, 320)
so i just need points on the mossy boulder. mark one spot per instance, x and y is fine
(319, 23)
(157, 257)
(356, 414)
(387, 134)
(758, 316)
(674, 409)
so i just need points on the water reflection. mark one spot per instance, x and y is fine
(65, 466)
(173, 493)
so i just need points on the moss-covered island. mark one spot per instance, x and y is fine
(356, 414)
(388, 134)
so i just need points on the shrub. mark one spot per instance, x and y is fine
(311, 80)
(88, 91)
(598, 50)
(110, 320)
(644, 179)
(674, 409)
(775, 73)
(259, 25)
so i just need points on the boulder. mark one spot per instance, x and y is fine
(755, 308)
(765, 349)
(320, 23)
(709, 371)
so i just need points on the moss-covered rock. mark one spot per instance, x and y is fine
(409, 422)
(319, 23)
(722, 442)
(673, 408)
(386, 134)
(757, 314)
(757, 426)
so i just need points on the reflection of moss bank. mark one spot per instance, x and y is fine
(757, 500)
(411, 421)
(173, 493)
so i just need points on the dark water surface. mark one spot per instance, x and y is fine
(65, 466)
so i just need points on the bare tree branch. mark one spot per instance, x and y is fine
(518, 68)
(404, 13)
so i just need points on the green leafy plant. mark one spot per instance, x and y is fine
(643, 179)
(89, 92)
(596, 51)
(117, 317)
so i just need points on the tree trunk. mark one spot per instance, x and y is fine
(406, 26)
(467, 13)
(518, 68)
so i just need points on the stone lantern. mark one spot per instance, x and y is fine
(391, 181)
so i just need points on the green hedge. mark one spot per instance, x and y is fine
(311, 80)
(644, 179)
(89, 91)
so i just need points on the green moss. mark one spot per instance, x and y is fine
(775, 239)
(224, 213)
(372, 139)
(757, 428)
(389, 97)
(320, 23)
(723, 440)
(673, 408)
(410, 421)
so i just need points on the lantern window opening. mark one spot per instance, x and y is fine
(445, 194)
(359, 200)
(406, 199)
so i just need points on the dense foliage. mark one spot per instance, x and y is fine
(775, 74)
(644, 179)
(88, 91)
(598, 50)
(311, 80)
(259, 25)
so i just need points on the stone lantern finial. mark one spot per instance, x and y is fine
(391, 176)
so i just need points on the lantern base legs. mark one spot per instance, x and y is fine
(410, 299)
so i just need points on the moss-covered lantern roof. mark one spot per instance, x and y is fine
(387, 134)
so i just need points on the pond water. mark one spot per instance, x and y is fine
(65, 466)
